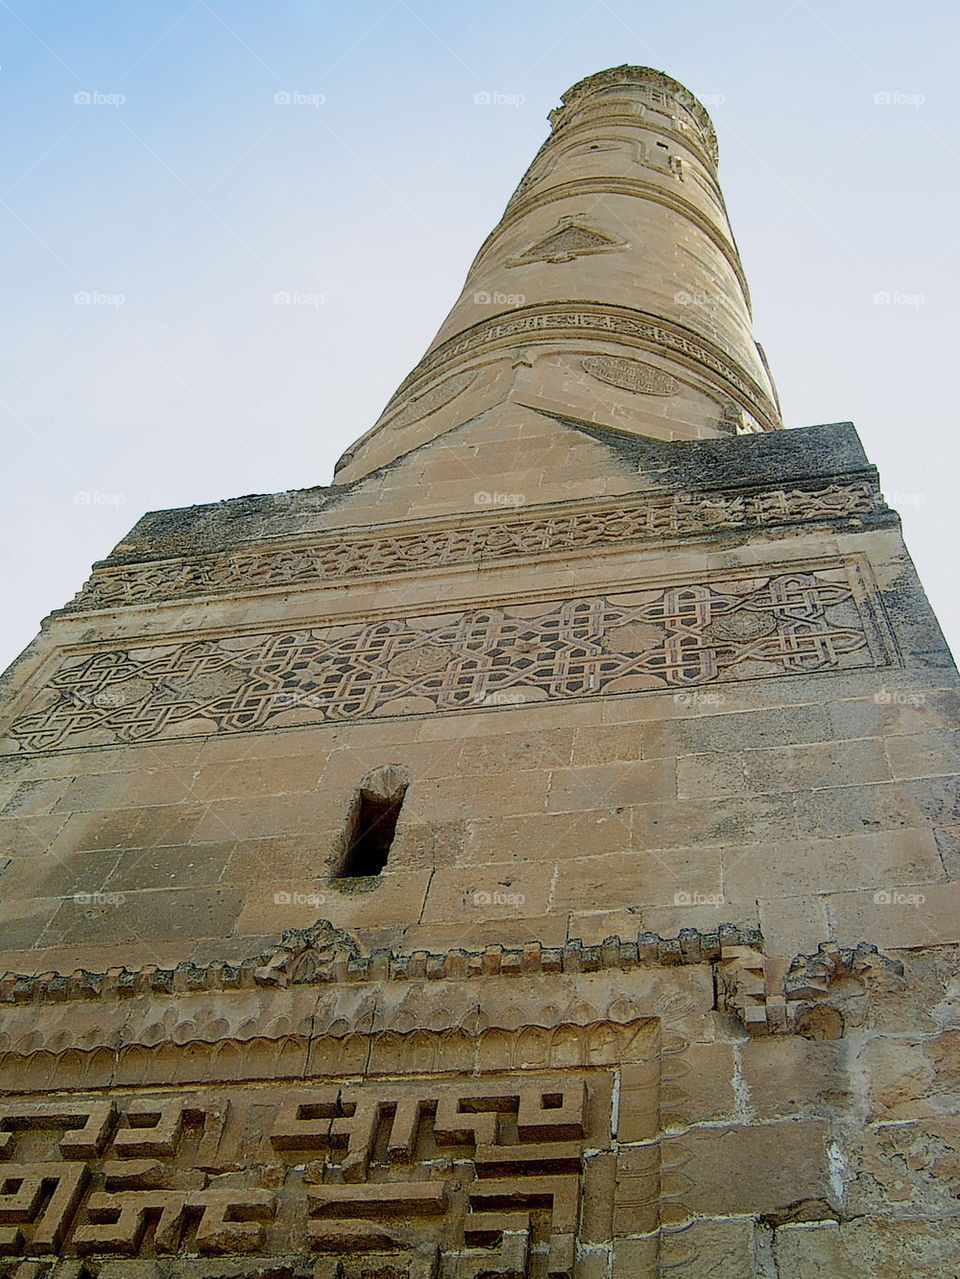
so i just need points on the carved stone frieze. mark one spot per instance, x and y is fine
(350, 1147)
(559, 321)
(336, 556)
(630, 375)
(483, 1173)
(324, 955)
(810, 997)
(697, 632)
(317, 985)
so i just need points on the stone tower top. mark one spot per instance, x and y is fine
(650, 88)
(611, 290)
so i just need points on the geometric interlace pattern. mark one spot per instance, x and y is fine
(793, 623)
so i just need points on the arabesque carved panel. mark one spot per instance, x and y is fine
(796, 622)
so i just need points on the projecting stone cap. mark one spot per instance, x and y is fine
(808, 452)
(222, 525)
(637, 82)
(776, 457)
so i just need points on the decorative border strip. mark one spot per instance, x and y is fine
(548, 321)
(339, 961)
(812, 617)
(336, 556)
(322, 956)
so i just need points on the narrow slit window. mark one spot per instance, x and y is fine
(371, 832)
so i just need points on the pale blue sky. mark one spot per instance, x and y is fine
(198, 197)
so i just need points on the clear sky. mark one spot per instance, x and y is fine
(178, 196)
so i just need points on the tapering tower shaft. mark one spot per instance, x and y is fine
(611, 290)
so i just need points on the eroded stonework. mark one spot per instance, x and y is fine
(334, 557)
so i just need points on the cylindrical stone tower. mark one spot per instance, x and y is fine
(611, 290)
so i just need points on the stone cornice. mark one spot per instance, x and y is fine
(345, 554)
(768, 996)
(324, 954)
(645, 77)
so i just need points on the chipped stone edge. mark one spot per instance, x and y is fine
(744, 986)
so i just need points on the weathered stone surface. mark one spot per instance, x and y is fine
(711, 1249)
(873, 1249)
(777, 1164)
(789, 1077)
(478, 865)
(915, 1165)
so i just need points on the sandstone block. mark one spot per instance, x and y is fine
(869, 1249)
(777, 1164)
(682, 875)
(467, 894)
(742, 819)
(786, 1075)
(608, 787)
(810, 866)
(897, 916)
(559, 835)
(710, 1249)
(391, 899)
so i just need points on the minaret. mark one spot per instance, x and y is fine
(534, 855)
(611, 289)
